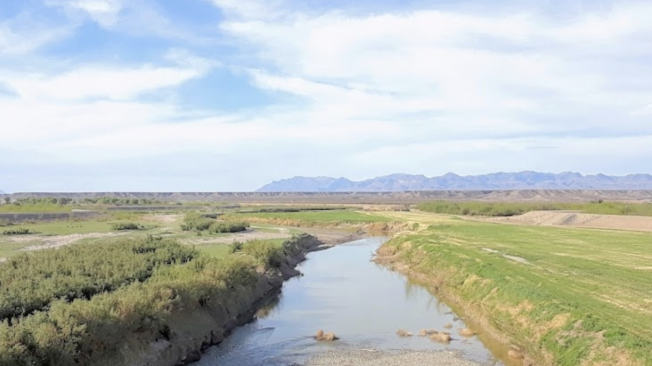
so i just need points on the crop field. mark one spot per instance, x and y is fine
(565, 296)
(344, 216)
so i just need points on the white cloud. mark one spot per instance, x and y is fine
(101, 81)
(420, 91)
(23, 34)
(105, 12)
(527, 70)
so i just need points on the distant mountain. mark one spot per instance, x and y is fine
(2, 192)
(451, 181)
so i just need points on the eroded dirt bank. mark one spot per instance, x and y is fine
(500, 344)
(577, 219)
(190, 333)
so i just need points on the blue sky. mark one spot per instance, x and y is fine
(227, 95)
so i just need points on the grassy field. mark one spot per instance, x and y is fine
(517, 208)
(40, 208)
(344, 216)
(565, 296)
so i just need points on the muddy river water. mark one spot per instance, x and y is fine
(343, 292)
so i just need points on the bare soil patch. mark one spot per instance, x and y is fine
(242, 237)
(577, 219)
(49, 242)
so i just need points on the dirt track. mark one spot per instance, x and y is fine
(49, 242)
(578, 219)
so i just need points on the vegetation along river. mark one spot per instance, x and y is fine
(344, 292)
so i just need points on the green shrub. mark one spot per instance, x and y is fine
(126, 226)
(267, 253)
(145, 282)
(31, 281)
(194, 221)
(20, 231)
(236, 247)
(228, 227)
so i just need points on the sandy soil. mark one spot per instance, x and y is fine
(251, 234)
(333, 236)
(163, 218)
(376, 358)
(577, 219)
(48, 242)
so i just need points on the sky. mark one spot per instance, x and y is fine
(228, 95)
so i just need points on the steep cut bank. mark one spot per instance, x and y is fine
(193, 331)
(161, 305)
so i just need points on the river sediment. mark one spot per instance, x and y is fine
(361, 357)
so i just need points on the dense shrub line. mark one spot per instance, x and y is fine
(30, 282)
(120, 226)
(227, 227)
(91, 331)
(20, 231)
(195, 221)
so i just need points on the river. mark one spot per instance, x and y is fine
(344, 292)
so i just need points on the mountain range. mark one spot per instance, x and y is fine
(451, 181)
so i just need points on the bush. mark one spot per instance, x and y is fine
(228, 227)
(144, 282)
(16, 232)
(236, 247)
(267, 253)
(126, 226)
(31, 281)
(196, 222)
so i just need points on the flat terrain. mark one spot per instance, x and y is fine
(57, 234)
(344, 216)
(541, 195)
(567, 296)
(579, 220)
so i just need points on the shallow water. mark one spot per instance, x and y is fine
(343, 292)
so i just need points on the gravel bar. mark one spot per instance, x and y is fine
(379, 358)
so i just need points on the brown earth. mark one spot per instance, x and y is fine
(49, 242)
(578, 219)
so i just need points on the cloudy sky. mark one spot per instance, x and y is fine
(208, 95)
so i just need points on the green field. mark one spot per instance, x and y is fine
(566, 296)
(344, 216)
(517, 208)
(35, 208)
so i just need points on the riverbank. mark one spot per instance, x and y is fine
(201, 329)
(551, 296)
(136, 302)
